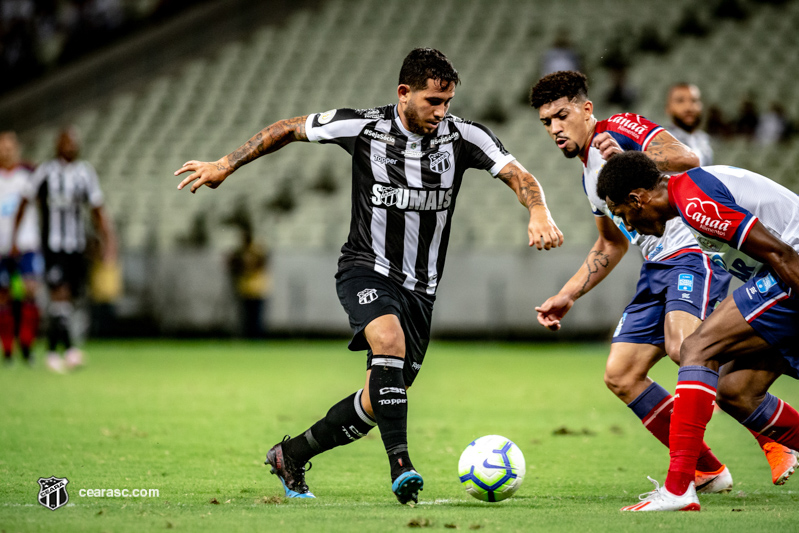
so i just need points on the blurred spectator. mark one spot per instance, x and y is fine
(773, 126)
(561, 55)
(717, 125)
(621, 93)
(746, 124)
(684, 108)
(252, 281)
(36, 35)
(62, 187)
(21, 265)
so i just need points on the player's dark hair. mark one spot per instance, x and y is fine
(554, 86)
(427, 63)
(625, 172)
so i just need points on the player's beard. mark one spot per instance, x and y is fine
(685, 126)
(415, 124)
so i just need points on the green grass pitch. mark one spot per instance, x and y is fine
(194, 420)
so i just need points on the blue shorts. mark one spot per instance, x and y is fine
(766, 304)
(28, 265)
(686, 281)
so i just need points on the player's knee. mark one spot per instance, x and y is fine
(736, 401)
(620, 381)
(388, 341)
(693, 351)
(673, 348)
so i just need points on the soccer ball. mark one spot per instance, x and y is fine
(491, 468)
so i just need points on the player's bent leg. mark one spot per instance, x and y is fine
(722, 337)
(677, 327)
(627, 367)
(389, 402)
(743, 393)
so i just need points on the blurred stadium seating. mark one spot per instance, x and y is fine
(346, 53)
(197, 87)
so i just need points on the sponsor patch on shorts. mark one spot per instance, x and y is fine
(685, 282)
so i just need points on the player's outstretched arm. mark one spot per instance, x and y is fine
(542, 231)
(671, 155)
(606, 253)
(268, 140)
(768, 249)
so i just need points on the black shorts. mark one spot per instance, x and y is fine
(65, 269)
(367, 295)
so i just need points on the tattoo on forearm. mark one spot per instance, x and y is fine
(268, 140)
(529, 191)
(596, 261)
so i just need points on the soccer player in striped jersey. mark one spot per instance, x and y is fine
(749, 225)
(61, 188)
(408, 161)
(18, 318)
(678, 286)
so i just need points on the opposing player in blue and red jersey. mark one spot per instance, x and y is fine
(749, 225)
(678, 287)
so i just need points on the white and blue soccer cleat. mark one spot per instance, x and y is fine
(407, 486)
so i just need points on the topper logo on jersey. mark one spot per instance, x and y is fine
(439, 162)
(411, 199)
(706, 214)
(631, 125)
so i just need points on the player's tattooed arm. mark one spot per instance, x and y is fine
(596, 266)
(671, 155)
(266, 141)
(542, 231)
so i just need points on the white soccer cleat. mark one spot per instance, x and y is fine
(55, 363)
(73, 358)
(661, 499)
(714, 482)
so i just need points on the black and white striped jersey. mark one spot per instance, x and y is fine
(404, 187)
(62, 189)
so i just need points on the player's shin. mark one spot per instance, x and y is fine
(776, 420)
(7, 330)
(59, 314)
(390, 406)
(654, 407)
(693, 408)
(344, 423)
(29, 325)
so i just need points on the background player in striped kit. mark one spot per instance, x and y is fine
(750, 225)
(62, 187)
(18, 318)
(408, 163)
(678, 286)
(684, 107)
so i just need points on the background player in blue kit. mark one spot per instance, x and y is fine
(678, 287)
(408, 163)
(749, 225)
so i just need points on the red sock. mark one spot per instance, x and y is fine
(693, 408)
(29, 324)
(762, 440)
(7, 329)
(783, 426)
(658, 422)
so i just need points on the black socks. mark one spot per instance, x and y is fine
(345, 422)
(390, 405)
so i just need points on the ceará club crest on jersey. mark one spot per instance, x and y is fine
(439, 162)
(53, 492)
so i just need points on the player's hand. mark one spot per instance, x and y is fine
(542, 231)
(551, 312)
(607, 145)
(205, 173)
